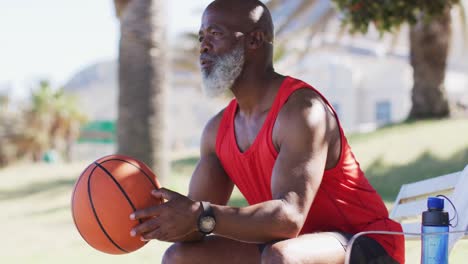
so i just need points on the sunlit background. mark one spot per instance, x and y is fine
(59, 88)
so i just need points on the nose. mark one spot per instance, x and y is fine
(205, 46)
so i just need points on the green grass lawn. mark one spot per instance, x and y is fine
(411, 152)
(38, 228)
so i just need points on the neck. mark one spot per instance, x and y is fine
(255, 91)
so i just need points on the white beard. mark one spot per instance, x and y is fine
(224, 72)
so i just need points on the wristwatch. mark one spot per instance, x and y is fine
(206, 221)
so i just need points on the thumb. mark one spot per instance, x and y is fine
(165, 194)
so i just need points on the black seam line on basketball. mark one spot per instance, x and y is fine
(73, 198)
(95, 214)
(120, 187)
(126, 161)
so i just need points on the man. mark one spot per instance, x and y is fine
(282, 145)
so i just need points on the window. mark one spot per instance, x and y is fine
(383, 114)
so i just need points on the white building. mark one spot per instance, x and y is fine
(367, 91)
(367, 78)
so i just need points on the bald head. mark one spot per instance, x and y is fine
(246, 15)
(236, 38)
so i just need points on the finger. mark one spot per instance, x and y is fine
(158, 195)
(165, 194)
(146, 213)
(145, 227)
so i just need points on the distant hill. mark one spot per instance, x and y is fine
(97, 88)
(102, 72)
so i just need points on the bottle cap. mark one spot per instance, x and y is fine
(435, 203)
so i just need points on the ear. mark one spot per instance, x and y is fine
(256, 39)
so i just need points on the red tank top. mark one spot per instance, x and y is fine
(345, 201)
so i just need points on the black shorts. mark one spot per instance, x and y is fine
(365, 249)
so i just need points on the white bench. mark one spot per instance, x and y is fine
(412, 201)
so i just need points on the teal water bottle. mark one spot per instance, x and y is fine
(434, 248)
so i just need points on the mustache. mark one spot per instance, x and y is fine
(209, 57)
(206, 56)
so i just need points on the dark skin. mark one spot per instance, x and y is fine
(306, 136)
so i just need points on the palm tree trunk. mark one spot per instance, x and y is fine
(428, 51)
(142, 124)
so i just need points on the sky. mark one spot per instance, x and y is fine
(55, 39)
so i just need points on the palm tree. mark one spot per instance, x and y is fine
(67, 121)
(7, 121)
(52, 121)
(142, 106)
(429, 45)
(4, 102)
(39, 119)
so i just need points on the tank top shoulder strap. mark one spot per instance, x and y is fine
(224, 125)
(289, 86)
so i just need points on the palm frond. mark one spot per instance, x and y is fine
(320, 26)
(300, 9)
(296, 17)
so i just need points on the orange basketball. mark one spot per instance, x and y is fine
(105, 195)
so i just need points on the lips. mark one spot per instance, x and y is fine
(204, 63)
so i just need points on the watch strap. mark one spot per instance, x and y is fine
(207, 211)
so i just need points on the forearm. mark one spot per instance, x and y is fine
(263, 222)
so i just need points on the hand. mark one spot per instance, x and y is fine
(168, 221)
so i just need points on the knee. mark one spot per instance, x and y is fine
(275, 254)
(174, 254)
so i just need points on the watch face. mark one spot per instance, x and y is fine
(207, 224)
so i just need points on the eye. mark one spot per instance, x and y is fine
(200, 39)
(216, 34)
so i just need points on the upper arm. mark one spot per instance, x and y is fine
(209, 181)
(303, 127)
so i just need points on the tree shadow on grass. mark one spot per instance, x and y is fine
(387, 179)
(53, 186)
(48, 211)
(35, 188)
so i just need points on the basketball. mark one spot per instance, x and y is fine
(104, 196)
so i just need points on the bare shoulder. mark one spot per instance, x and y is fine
(304, 114)
(305, 105)
(208, 140)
